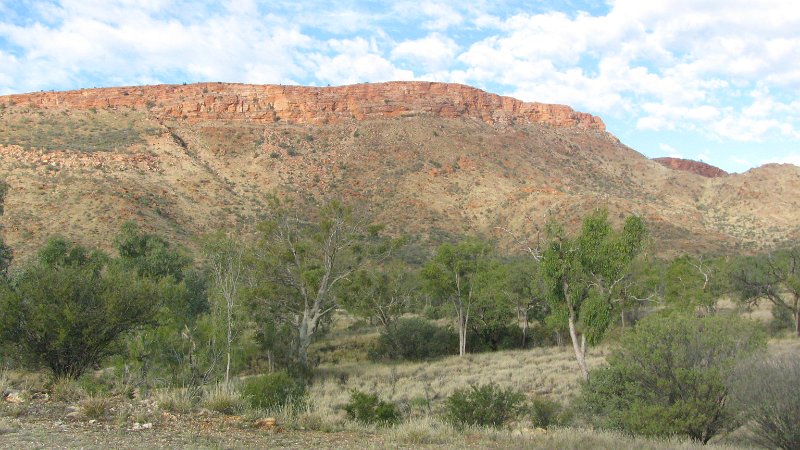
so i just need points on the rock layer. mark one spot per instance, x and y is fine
(313, 105)
(688, 165)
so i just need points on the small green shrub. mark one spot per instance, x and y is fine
(495, 337)
(414, 339)
(368, 408)
(273, 390)
(545, 413)
(667, 378)
(486, 405)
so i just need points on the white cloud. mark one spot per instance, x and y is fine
(672, 64)
(671, 151)
(355, 61)
(433, 52)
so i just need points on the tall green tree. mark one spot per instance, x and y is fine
(149, 254)
(584, 274)
(68, 308)
(299, 264)
(774, 277)
(454, 275)
(380, 293)
(694, 282)
(527, 291)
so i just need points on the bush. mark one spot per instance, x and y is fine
(668, 376)
(273, 390)
(545, 413)
(486, 405)
(495, 337)
(368, 408)
(414, 339)
(69, 308)
(764, 393)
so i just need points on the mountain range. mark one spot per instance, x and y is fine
(431, 160)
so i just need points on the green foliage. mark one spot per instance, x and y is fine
(381, 295)
(71, 306)
(148, 254)
(485, 405)
(545, 413)
(368, 408)
(274, 390)
(6, 256)
(583, 273)
(691, 282)
(495, 336)
(3, 192)
(300, 265)
(456, 275)
(668, 376)
(764, 394)
(414, 339)
(774, 277)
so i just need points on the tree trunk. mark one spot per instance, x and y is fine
(580, 349)
(525, 328)
(303, 342)
(797, 321)
(230, 341)
(462, 332)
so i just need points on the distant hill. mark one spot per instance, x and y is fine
(698, 167)
(430, 159)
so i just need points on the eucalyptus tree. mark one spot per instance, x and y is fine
(380, 293)
(454, 275)
(774, 277)
(585, 275)
(300, 263)
(225, 259)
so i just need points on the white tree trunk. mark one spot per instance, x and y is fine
(580, 349)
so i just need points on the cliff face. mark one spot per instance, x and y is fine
(696, 167)
(312, 105)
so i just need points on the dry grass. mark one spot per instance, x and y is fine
(549, 372)
(66, 390)
(96, 406)
(224, 398)
(179, 400)
(430, 432)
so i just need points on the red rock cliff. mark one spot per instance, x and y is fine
(299, 104)
(700, 168)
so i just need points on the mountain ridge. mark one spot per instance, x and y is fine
(315, 105)
(436, 161)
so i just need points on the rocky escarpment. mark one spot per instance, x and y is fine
(312, 105)
(688, 165)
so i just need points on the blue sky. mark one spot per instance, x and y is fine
(713, 80)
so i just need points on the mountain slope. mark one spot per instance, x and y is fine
(430, 159)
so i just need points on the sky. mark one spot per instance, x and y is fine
(711, 80)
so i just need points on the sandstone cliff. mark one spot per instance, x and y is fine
(313, 105)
